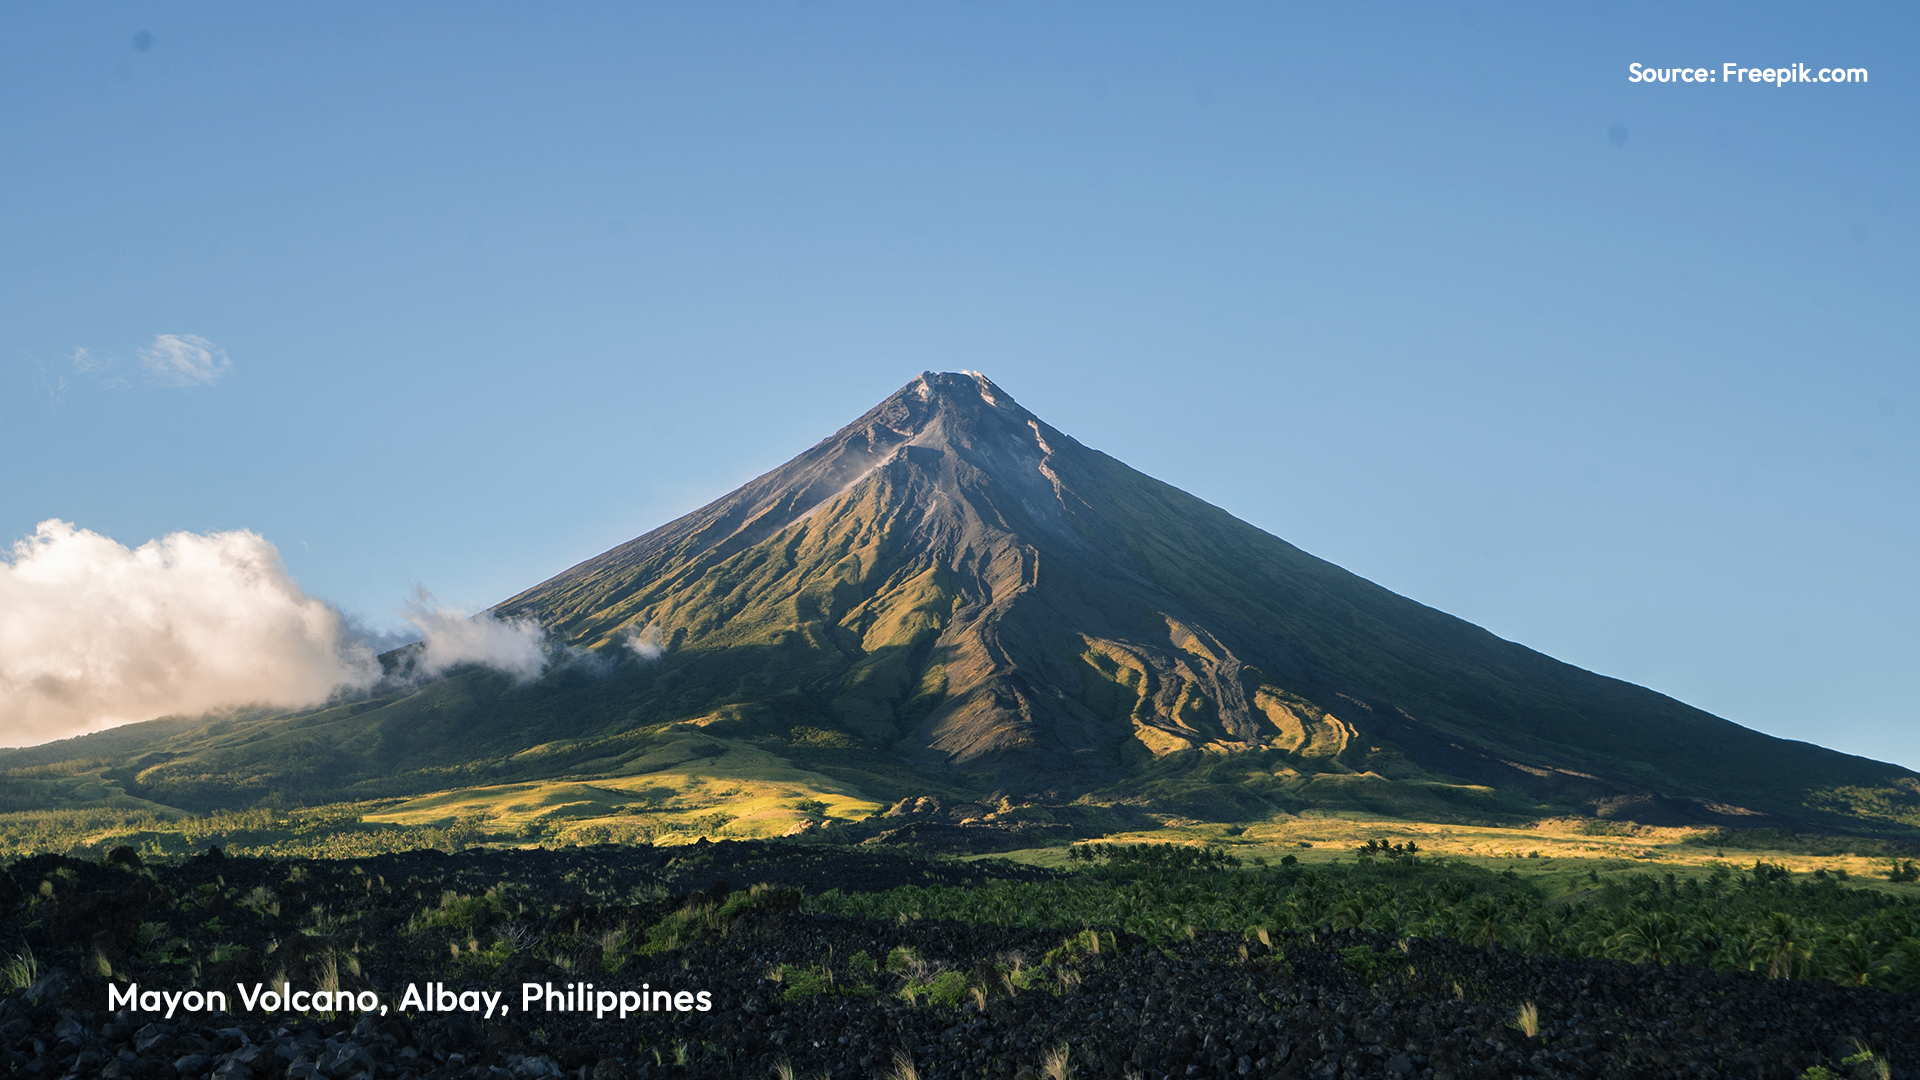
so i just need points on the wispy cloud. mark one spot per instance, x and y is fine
(647, 644)
(95, 634)
(184, 360)
(452, 638)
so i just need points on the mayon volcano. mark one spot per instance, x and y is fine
(951, 596)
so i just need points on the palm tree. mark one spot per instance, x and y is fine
(1854, 959)
(1904, 962)
(1482, 922)
(1347, 914)
(1384, 916)
(1723, 945)
(1539, 932)
(1653, 938)
(1782, 944)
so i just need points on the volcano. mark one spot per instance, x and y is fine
(949, 593)
(958, 579)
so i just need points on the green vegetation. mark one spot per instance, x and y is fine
(1175, 857)
(1366, 961)
(702, 915)
(799, 982)
(19, 971)
(328, 832)
(1763, 919)
(1862, 1062)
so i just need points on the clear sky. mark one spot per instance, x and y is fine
(458, 295)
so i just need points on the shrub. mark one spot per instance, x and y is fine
(1364, 962)
(948, 988)
(801, 983)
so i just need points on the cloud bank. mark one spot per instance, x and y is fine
(183, 360)
(94, 634)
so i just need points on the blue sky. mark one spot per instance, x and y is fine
(1622, 372)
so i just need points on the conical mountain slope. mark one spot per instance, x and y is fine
(954, 577)
(950, 596)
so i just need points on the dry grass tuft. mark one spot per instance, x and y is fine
(1528, 1020)
(1054, 1065)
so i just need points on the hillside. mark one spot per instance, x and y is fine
(951, 597)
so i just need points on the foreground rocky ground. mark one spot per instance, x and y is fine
(817, 994)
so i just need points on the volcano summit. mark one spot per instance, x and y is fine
(951, 596)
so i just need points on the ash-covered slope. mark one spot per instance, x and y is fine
(959, 579)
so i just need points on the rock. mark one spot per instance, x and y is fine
(344, 1058)
(244, 1062)
(49, 988)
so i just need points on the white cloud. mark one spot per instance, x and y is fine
(184, 360)
(86, 361)
(94, 634)
(450, 638)
(647, 644)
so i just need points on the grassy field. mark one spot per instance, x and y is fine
(710, 797)
(737, 796)
(1556, 848)
(757, 795)
(1559, 855)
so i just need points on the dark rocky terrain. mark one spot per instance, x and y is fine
(823, 995)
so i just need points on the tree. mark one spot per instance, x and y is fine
(1780, 945)
(1852, 958)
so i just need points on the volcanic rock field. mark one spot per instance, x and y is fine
(806, 995)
